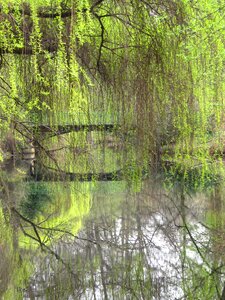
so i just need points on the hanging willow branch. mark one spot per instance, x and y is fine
(99, 18)
(48, 12)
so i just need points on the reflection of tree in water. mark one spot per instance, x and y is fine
(154, 245)
(36, 198)
(150, 244)
(23, 236)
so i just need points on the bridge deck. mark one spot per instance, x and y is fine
(62, 129)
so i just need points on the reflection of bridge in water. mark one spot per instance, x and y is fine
(82, 177)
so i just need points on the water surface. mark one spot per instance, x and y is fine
(111, 240)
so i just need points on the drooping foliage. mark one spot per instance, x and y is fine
(157, 66)
(154, 67)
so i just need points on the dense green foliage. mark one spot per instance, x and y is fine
(156, 69)
(157, 65)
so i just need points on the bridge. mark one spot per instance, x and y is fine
(44, 174)
(67, 128)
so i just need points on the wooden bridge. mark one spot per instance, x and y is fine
(63, 129)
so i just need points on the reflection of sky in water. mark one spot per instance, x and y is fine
(163, 255)
(163, 239)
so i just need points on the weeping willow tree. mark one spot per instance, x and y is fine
(158, 66)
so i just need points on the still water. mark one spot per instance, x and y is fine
(111, 240)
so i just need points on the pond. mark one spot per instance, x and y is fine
(148, 238)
